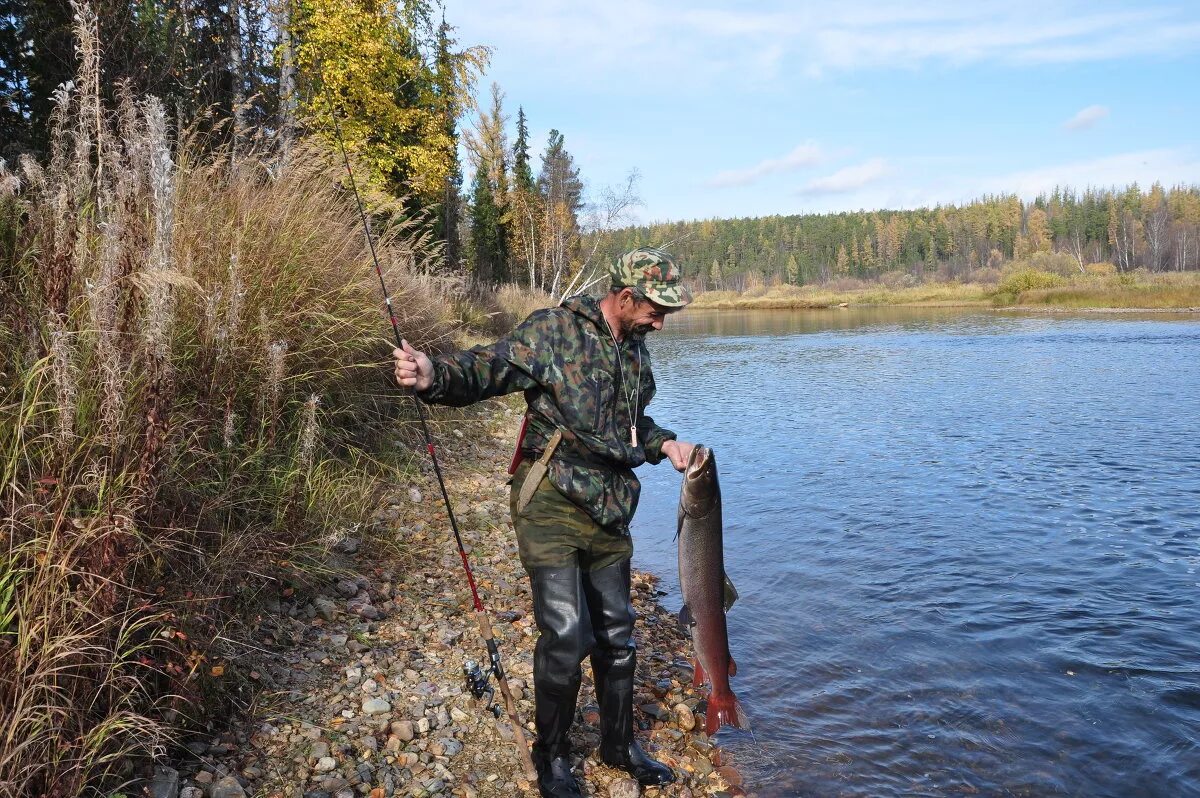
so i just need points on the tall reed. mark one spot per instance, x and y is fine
(193, 371)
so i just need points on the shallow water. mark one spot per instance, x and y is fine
(965, 543)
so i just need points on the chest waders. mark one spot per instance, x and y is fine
(580, 575)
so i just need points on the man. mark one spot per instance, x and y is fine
(586, 375)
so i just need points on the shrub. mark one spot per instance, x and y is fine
(192, 352)
(1028, 280)
(1059, 263)
(1102, 269)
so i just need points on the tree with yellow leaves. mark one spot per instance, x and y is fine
(364, 57)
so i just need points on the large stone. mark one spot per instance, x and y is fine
(165, 783)
(325, 607)
(404, 730)
(228, 787)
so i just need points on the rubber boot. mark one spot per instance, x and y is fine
(558, 608)
(614, 660)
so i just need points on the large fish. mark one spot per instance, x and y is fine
(707, 592)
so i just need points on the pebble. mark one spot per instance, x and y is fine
(404, 730)
(624, 788)
(376, 706)
(326, 764)
(684, 717)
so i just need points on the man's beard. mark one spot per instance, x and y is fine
(635, 329)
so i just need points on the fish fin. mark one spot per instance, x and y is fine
(743, 720)
(731, 594)
(697, 673)
(732, 666)
(724, 710)
(685, 617)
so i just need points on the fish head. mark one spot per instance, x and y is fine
(701, 491)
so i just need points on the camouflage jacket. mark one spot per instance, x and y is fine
(567, 363)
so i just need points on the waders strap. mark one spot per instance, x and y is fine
(537, 472)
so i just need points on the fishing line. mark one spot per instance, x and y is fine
(477, 680)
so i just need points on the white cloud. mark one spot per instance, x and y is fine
(1086, 118)
(1167, 166)
(808, 154)
(847, 179)
(681, 43)
(925, 182)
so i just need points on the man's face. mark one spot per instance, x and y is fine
(640, 317)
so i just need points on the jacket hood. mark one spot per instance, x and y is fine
(589, 308)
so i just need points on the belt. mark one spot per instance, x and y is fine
(566, 456)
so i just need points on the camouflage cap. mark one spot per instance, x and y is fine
(653, 272)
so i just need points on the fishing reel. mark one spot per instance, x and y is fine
(479, 683)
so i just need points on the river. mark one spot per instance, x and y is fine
(965, 543)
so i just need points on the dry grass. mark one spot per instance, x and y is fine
(192, 355)
(1097, 289)
(823, 296)
(1179, 291)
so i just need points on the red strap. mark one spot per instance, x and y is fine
(517, 456)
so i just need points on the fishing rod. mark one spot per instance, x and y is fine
(477, 679)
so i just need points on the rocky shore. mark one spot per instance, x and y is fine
(361, 689)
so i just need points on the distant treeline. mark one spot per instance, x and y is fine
(1158, 229)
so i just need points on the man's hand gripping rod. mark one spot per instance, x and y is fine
(477, 680)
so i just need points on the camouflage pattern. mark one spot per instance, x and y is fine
(655, 273)
(553, 532)
(566, 362)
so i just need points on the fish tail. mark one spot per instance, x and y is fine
(724, 710)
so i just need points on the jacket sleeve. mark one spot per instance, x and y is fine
(506, 366)
(653, 437)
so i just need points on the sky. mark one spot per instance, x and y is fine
(751, 109)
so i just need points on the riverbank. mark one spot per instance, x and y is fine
(1024, 289)
(360, 685)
